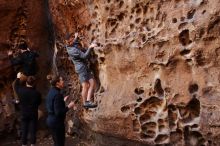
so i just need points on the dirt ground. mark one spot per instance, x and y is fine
(84, 137)
(41, 142)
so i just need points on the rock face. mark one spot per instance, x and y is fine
(158, 67)
(22, 21)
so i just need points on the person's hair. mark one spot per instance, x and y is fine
(78, 40)
(31, 80)
(68, 36)
(23, 46)
(53, 79)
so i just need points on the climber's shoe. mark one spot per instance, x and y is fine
(89, 104)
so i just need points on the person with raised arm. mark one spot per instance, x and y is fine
(80, 60)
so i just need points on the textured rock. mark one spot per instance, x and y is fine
(157, 67)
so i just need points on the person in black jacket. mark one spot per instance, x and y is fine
(56, 108)
(30, 100)
(27, 60)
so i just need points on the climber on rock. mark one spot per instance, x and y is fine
(26, 58)
(80, 60)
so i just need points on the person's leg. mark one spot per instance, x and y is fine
(52, 125)
(54, 132)
(92, 85)
(61, 135)
(33, 130)
(87, 81)
(24, 130)
(85, 87)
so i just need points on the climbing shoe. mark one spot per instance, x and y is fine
(89, 104)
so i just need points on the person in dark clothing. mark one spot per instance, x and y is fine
(86, 77)
(30, 100)
(56, 108)
(21, 81)
(27, 60)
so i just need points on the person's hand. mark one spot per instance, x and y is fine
(71, 105)
(76, 35)
(66, 97)
(10, 53)
(93, 45)
(19, 75)
(17, 101)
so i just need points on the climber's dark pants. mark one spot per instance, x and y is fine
(58, 134)
(28, 124)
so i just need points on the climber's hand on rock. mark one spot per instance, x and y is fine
(19, 75)
(66, 97)
(76, 35)
(71, 105)
(10, 53)
(93, 45)
(17, 101)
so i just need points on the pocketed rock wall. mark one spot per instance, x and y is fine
(22, 21)
(158, 67)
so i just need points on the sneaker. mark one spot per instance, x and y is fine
(89, 104)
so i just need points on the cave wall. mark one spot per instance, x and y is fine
(22, 21)
(158, 67)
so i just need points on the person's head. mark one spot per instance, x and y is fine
(56, 81)
(23, 47)
(31, 81)
(70, 38)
